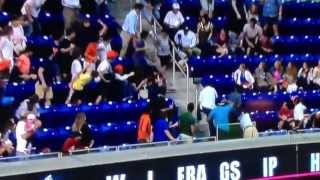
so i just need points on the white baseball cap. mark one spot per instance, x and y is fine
(31, 117)
(175, 6)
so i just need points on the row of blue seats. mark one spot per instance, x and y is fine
(124, 132)
(296, 43)
(293, 25)
(214, 65)
(62, 115)
(223, 7)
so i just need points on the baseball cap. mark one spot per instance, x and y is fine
(175, 6)
(31, 117)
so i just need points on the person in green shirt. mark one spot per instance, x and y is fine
(187, 123)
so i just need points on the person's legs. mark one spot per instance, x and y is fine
(48, 96)
(69, 16)
(125, 42)
(275, 29)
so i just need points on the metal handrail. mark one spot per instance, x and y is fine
(156, 25)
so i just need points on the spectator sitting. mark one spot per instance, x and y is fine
(145, 134)
(316, 75)
(285, 117)
(187, 40)
(6, 146)
(22, 70)
(18, 39)
(277, 75)
(304, 77)
(290, 78)
(6, 50)
(81, 127)
(265, 44)
(221, 43)
(78, 84)
(263, 78)
(204, 32)
(30, 105)
(243, 78)
(251, 35)
(299, 115)
(315, 120)
(24, 130)
(248, 128)
(187, 124)
(173, 20)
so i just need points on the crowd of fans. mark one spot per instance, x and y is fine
(83, 54)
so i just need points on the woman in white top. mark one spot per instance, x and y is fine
(18, 38)
(31, 9)
(6, 49)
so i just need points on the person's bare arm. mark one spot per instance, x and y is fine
(41, 77)
(169, 135)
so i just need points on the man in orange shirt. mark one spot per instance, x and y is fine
(145, 128)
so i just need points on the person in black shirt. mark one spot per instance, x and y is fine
(46, 75)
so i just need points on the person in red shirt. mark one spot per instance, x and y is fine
(285, 117)
(145, 128)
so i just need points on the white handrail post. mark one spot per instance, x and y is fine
(140, 19)
(188, 75)
(173, 67)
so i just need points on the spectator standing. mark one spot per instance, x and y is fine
(173, 20)
(207, 7)
(46, 76)
(238, 16)
(251, 35)
(130, 27)
(70, 12)
(24, 131)
(207, 100)
(31, 9)
(145, 134)
(243, 78)
(187, 40)
(163, 49)
(187, 123)
(162, 131)
(219, 117)
(204, 32)
(272, 14)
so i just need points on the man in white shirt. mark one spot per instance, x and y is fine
(24, 130)
(187, 40)
(7, 48)
(251, 35)
(299, 115)
(70, 12)
(31, 9)
(243, 78)
(173, 20)
(130, 27)
(207, 100)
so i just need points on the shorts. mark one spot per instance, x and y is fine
(270, 20)
(42, 92)
(77, 95)
(165, 60)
